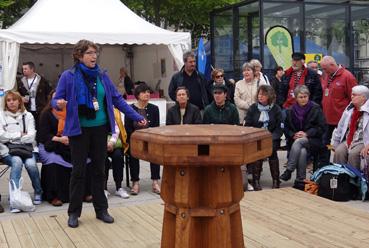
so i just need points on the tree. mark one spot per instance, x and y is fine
(279, 39)
(12, 10)
(183, 15)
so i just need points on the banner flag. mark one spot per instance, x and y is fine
(279, 41)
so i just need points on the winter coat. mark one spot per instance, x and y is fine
(191, 116)
(274, 124)
(314, 127)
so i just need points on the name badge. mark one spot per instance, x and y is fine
(292, 94)
(333, 183)
(326, 92)
(96, 104)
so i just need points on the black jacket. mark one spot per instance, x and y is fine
(43, 91)
(275, 118)
(314, 127)
(152, 117)
(230, 93)
(177, 81)
(312, 81)
(48, 128)
(227, 114)
(192, 115)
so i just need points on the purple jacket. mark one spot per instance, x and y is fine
(67, 91)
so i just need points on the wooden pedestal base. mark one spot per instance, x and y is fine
(202, 207)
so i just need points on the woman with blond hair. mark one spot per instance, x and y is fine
(17, 127)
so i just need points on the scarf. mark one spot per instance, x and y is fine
(299, 113)
(14, 115)
(60, 116)
(264, 114)
(294, 81)
(356, 114)
(85, 82)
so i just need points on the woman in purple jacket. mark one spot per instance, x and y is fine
(89, 96)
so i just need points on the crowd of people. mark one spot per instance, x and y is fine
(81, 135)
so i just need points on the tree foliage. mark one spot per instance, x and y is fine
(186, 15)
(12, 10)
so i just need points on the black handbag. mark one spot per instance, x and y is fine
(337, 187)
(21, 150)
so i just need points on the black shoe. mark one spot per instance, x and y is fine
(286, 175)
(73, 221)
(105, 216)
(1, 209)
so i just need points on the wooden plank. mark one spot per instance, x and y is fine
(10, 234)
(34, 232)
(2, 237)
(58, 232)
(22, 233)
(45, 231)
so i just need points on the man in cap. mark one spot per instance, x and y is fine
(296, 75)
(351, 139)
(220, 111)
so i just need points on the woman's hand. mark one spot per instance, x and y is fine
(299, 134)
(61, 103)
(142, 123)
(110, 146)
(64, 139)
(365, 151)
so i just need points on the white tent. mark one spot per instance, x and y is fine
(68, 21)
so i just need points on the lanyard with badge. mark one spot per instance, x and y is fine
(296, 76)
(92, 87)
(330, 80)
(30, 87)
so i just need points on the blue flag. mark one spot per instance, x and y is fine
(201, 57)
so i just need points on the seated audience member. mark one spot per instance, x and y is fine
(17, 126)
(266, 114)
(304, 127)
(262, 78)
(351, 138)
(117, 146)
(220, 111)
(183, 112)
(55, 157)
(151, 114)
(217, 76)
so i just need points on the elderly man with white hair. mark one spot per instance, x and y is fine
(351, 138)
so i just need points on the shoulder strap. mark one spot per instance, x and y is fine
(24, 122)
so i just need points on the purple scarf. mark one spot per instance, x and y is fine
(299, 113)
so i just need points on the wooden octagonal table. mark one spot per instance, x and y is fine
(202, 180)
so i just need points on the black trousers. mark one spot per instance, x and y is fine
(134, 169)
(324, 153)
(117, 164)
(91, 143)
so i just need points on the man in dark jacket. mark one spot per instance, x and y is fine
(221, 111)
(193, 80)
(296, 75)
(34, 90)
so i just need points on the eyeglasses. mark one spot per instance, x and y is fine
(90, 53)
(219, 76)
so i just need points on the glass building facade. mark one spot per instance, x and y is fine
(329, 27)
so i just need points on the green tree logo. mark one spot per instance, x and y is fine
(279, 39)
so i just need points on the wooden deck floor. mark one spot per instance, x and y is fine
(271, 218)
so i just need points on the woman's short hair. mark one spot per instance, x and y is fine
(361, 90)
(256, 63)
(248, 65)
(215, 72)
(268, 91)
(15, 95)
(142, 87)
(301, 89)
(81, 47)
(183, 88)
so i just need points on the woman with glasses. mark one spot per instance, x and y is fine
(89, 96)
(217, 76)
